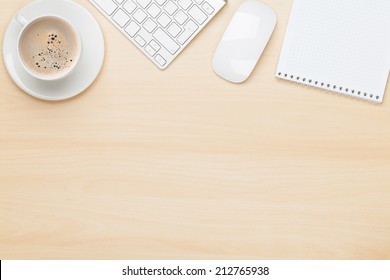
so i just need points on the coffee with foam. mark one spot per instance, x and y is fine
(49, 47)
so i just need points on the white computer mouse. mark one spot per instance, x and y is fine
(244, 41)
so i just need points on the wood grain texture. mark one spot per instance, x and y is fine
(180, 164)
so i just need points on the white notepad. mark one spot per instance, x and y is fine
(338, 45)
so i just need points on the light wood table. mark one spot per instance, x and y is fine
(179, 164)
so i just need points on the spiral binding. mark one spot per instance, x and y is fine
(316, 83)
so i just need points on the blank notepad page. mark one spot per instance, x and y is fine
(338, 45)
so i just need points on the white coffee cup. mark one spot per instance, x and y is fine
(55, 63)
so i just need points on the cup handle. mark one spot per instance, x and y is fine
(21, 19)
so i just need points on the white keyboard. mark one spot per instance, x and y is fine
(161, 29)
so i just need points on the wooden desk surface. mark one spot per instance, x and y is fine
(180, 164)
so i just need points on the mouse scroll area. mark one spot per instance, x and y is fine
(244, 41)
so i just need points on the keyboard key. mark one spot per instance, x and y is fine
(139, 16)
(108, 6)
(150, 25)
(121, 18)
(154, 45)
(164, 20)
(171, 8)
(160, 60)
(208, 9)
(140, 40)
(199, 16)
(150, 50)
(185, 4)
(166, 41)
(144, 3)
(154, 10)
(132, 28)
(180, 17)
(174, 30)
(189, 29)
(129, 6)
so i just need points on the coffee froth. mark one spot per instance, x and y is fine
(49, 47)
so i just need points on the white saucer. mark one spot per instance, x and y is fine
(91, 59)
